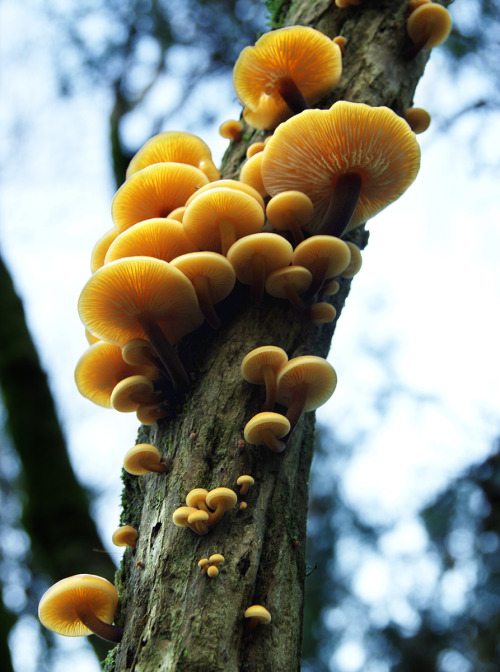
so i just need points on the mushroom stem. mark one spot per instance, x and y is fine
(296, 231)
(165, 352)
(319, 269)
(294, 297)
(292, 95)
(343, 202)
(270, 383)
(158, 467)
(258, 278)
(108, 631)
(297, 404)
(227, 235)
(215, 515)
(202, 289)
(272, 442)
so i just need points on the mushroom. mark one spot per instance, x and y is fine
(203, 565)
(212, 277)
(260, 367)
(251, 174)
(228, 184)
(126, 535)
(101, 368)
(355, 263)
(304, 384)
(81, 605)
(178, 147)
(258, 615)
(325, 256)
(199, 520)
(290, 283)
(158, 237)
(139, 297)
(220, 500)
(148, 414)
(232, 129)
(214, 561)
(352, 161)
(196, 499)
(284, 72)
(428, 26)
(181, 517)
(100, 249)
(216, 218)
(132, 392)
(256, 256)
(245, 482)
(154, 192)
(267, 428)
(144, 458)
(290, 210)
(417, 119)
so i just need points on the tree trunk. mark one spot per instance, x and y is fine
(175, 617)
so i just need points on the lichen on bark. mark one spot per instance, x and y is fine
(175, 618)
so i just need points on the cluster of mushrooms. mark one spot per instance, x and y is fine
(182, 237)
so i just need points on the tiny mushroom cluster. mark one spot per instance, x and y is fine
(182, 237)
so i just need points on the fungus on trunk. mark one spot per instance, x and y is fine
(304, 384)
(142, 297)
(144, 458)
(177, 147)
(260, 367)
(81, 605)
(284, 72)
(352, 161)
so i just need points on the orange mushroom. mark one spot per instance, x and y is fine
(81, 605)
(352, 161)
(139, 297)
(178, 147)
(284, 72)
(153, 192)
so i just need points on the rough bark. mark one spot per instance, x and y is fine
(175, 618)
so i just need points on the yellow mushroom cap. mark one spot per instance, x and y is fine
(132, 392)
(246, 482)
(267, 421)
(158, 237)
(203, 562)
(216, 559)
(418, 119)
(232, 129)
(259, 613)
(214, 267)
(225, 498)
(273, 252)
(148, 414)
(335, 253)
(181, 515)
(100, 249)
(254, 362)
(229, 184)
(126, 535)
(297, 53)
(153, 192)
(251, 173)
(212, 571)
(315, 372)
(120, 291)
(101, 368)
(141, 458)
(310, 151)
(196, 497)
(294, 276)
(216, 206)
(197, 516)
(178, 147)
(57, 608)
(429, 25)
(287, 207)
(355, 263)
